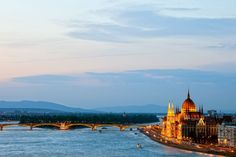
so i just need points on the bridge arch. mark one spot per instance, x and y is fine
(119, 126)
(66, 126)
(46, 124)
(80, 124)
(10, 125)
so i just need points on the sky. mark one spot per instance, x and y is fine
(108, 53)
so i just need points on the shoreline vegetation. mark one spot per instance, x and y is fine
(156, 137)
(106, 118)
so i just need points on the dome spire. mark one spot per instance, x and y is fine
(188, 94)
(188, 105)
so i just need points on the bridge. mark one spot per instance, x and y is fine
(67, 126)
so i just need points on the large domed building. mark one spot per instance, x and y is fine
(187, 123)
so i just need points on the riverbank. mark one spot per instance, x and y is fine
(154, 134)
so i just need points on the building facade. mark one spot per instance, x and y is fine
(227, 135)
(188, 123)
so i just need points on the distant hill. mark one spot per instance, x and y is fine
(49, 107)
(39, 106)
(30, 110)
(150, 108)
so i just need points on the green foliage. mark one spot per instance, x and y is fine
(91, 118)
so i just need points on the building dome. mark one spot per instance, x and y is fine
(188, 105)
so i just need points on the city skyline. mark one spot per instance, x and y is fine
(110, 53)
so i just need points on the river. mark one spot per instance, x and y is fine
(41, 142)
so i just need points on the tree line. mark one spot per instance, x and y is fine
(91, 118)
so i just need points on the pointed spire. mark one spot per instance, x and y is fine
(168, 112)
(172, 107)
(188, 94)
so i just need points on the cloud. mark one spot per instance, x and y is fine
(133, 24)
(226, 67)
(182, 9)
(136, 76)
(84, 79)
(158, 76)
(45, 79)
(188, 76)
(227, 46)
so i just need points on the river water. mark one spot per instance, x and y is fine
(41, 142)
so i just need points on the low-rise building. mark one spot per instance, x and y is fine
(227, 135)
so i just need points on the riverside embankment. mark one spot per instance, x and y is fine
(154, 134)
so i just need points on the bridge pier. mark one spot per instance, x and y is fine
(1, 127)
(63, 126)
(122, 127)
(93, 127)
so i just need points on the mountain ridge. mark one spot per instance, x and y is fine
(44, 105)
(29, 106)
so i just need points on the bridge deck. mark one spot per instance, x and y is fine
(66, 126)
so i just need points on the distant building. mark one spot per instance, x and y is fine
(189, 124)
(212, 113)
(227, 134)
(234, 120)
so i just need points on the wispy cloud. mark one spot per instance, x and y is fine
(59, 80)
(182, 9)
(162, 77)
(227, 46)
(133, 24)
(45, 79)
(136, 76)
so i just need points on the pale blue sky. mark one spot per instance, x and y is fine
(67, 38)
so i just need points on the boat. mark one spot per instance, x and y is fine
(139, 146)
